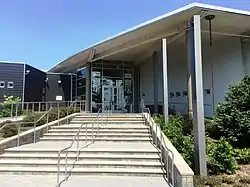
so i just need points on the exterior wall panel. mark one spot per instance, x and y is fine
(11, 72)
(53, 89)
(34, 84)
(226, 56)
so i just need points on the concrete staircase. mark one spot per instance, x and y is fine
(122, 147)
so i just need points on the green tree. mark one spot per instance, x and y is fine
(233, 114)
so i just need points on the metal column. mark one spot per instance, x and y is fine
(165, 78)
(194, 46)
(88, 88)
(155, 63)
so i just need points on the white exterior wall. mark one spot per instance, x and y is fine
(226, 54)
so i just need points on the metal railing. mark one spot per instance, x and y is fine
(160, 143)
(47, 122)
(76, 139)
(18, 124)
(27, 107)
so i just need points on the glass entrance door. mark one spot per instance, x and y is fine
(113, 98)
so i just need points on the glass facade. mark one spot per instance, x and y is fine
(79, 84)
(112, 86)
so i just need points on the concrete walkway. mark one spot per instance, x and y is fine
(81, 181)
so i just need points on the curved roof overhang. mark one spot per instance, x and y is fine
(170, 25)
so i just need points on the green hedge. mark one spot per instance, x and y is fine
(53, 115)
(220, 154)
(9, 130)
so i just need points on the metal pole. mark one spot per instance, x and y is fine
(16, 109)
(165, 78)
(189, 39)
(77, 146)
(58, 168)
(39, 106)
(18, 135)
(198, 105)
(58, 113)
(48, 122)
(11, 110)
(86, 135)
(66, 165)
(33, 107)
(34, 133)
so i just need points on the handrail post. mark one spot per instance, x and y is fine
(18, 135)
(58, 168)
(34, 133)
(77, 147)
(16, 109)
(58, 114)
(47, 122)
(66, 165)
(92, 132)
(172, 169)
(11, 110)
(33, 107)
(86, 135)
(39, 107)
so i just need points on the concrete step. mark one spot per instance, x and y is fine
(123, 122)
(99, 135)
(128, 118)
(86, 151)
(72, 157)
(120, 131)
(103, 127)
(110, 115)
(81, 164)
(84, 171)
(103, 139)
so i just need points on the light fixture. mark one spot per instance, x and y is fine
(59, 81)
(210, 18)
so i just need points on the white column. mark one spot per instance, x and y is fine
(155, 65)
(197, 95)
(165, 78)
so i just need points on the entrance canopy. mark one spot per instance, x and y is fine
(134, 43)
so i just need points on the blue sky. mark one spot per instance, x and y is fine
(44, 32)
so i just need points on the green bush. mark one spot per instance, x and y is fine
(220, 157)
(9, 130)
(242, 156)
(211, 129)
(233, 114)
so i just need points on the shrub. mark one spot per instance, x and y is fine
(183, 143)
(220, 157)
(242, 156)
(211, 129)
(233, 114)
(9, 130)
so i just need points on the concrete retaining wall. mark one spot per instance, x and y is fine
(28, 136)
(182, 173)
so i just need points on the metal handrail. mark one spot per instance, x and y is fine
(19, 126)
(75, 101)
(162, 144)
(46, 113)
(37, 106)
(78, 149)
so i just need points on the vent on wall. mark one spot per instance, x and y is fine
(2, 84)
